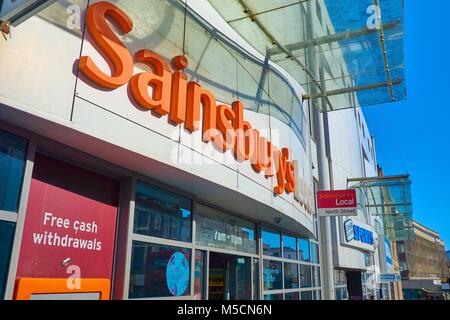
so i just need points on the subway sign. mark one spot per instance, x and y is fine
(359, 235)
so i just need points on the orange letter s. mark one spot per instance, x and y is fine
(112, 46)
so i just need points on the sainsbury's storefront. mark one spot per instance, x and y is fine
(147, 152)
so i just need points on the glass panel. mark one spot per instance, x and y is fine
(271, 243)
(292, 296)
(305, 276)
(278, 296)
(159, 271)
(163, 214)
(307, 295)
(318, 295)
(290, 275)
(12, 165)
(217, 229)
(338, 41)
(303, 248)
(316, 277)
(339, 294)
(272, 275)
(255, 279)
(199, 282)
(229, 277)
(314, 252)
(289, 247)
(6, 239)
(243, 278)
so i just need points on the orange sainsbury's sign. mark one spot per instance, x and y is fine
(181, 100)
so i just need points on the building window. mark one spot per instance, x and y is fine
(271, 243)
(6, 240)
(278, 296)
(289, 247)
(162, 214)
(13, 151)
(305, 276)
(12, 166)
(217, 229)
(159, 271)
(303, 248)
(272, 275)
(292, 296)
(290, 275)
(307, 295)
(314, 252)
(316, 277)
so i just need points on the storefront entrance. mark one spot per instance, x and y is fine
(229, 277)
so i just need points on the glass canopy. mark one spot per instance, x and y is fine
(345, 53)
(390, 198)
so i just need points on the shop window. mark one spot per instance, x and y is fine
(305, 276)
(318, 295)
(272, 275)
(292, 296)
(314, 252)
(159, 271)
(307, 295)
(6, 239)
(12, 166)
(303, 249)
(217, 229)
(277, 296)
(162, 214)
(290, 275)
(289, 247)
(316, 277)
(199, 275)
(271, 243)
(255, 279)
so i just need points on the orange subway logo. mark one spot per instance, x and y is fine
(181, 100)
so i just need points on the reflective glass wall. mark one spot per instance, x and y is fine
(183, 249)
(13, 151)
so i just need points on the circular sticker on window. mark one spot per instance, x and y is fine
(177, 274)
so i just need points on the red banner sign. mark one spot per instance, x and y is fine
(337, 203)
(70, 223)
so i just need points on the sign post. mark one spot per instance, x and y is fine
(337, 203)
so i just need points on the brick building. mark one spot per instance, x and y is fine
(423, 263)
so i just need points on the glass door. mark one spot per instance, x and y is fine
(229, 277)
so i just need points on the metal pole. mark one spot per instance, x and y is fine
(324, 222)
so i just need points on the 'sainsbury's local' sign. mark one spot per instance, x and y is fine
(337, 203)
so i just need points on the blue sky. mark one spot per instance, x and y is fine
(414, 135)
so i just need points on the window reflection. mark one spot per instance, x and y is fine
(159, 271)
(290, 275)
(271, 243)
(278, 296)
(314, 253)
(291, 296)
(163, 214)
(303, 249)
(12, 166)
(6, 239)
(289, 247)
(305, 276)
(272, 275)
(221, 230)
